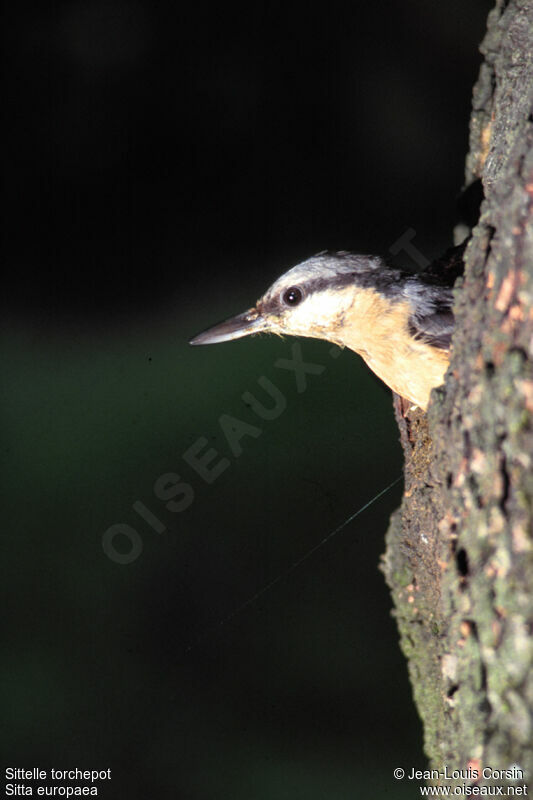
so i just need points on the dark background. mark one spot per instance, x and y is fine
(165, 163)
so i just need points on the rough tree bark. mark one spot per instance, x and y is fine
(459, 558)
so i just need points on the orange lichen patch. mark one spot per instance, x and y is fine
(475, 395)
(497, 485)
(448, 521)
(529, 189)
(490, 280)
(449, 666)
(459, 480)
(521, 541)
(451, 701)
(525, 387)
(484, 144)
(442, 564)
(507, 290)
(474, 765)
(496, 520)
(478, 461)
(516, 312)
(514, 315)
(507, 326)
(480, 362)
(490, 571)
(498, 353)
(496, 629)
(465, 628)
(461, 473)
(501, 570)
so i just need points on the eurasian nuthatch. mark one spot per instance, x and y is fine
(401, 324)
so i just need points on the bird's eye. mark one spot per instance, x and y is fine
(292, 296)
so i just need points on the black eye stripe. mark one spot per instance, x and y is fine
(292, 296)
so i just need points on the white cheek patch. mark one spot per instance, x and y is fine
(319, 309)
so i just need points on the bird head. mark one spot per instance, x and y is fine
(311, 299)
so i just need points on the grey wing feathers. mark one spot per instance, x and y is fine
(432, 319)
(431, 297)
(435, 329)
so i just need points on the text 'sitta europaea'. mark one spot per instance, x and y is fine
(401, 324)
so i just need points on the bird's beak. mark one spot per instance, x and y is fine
(235, 328)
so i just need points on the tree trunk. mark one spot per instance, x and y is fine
(459, 557)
